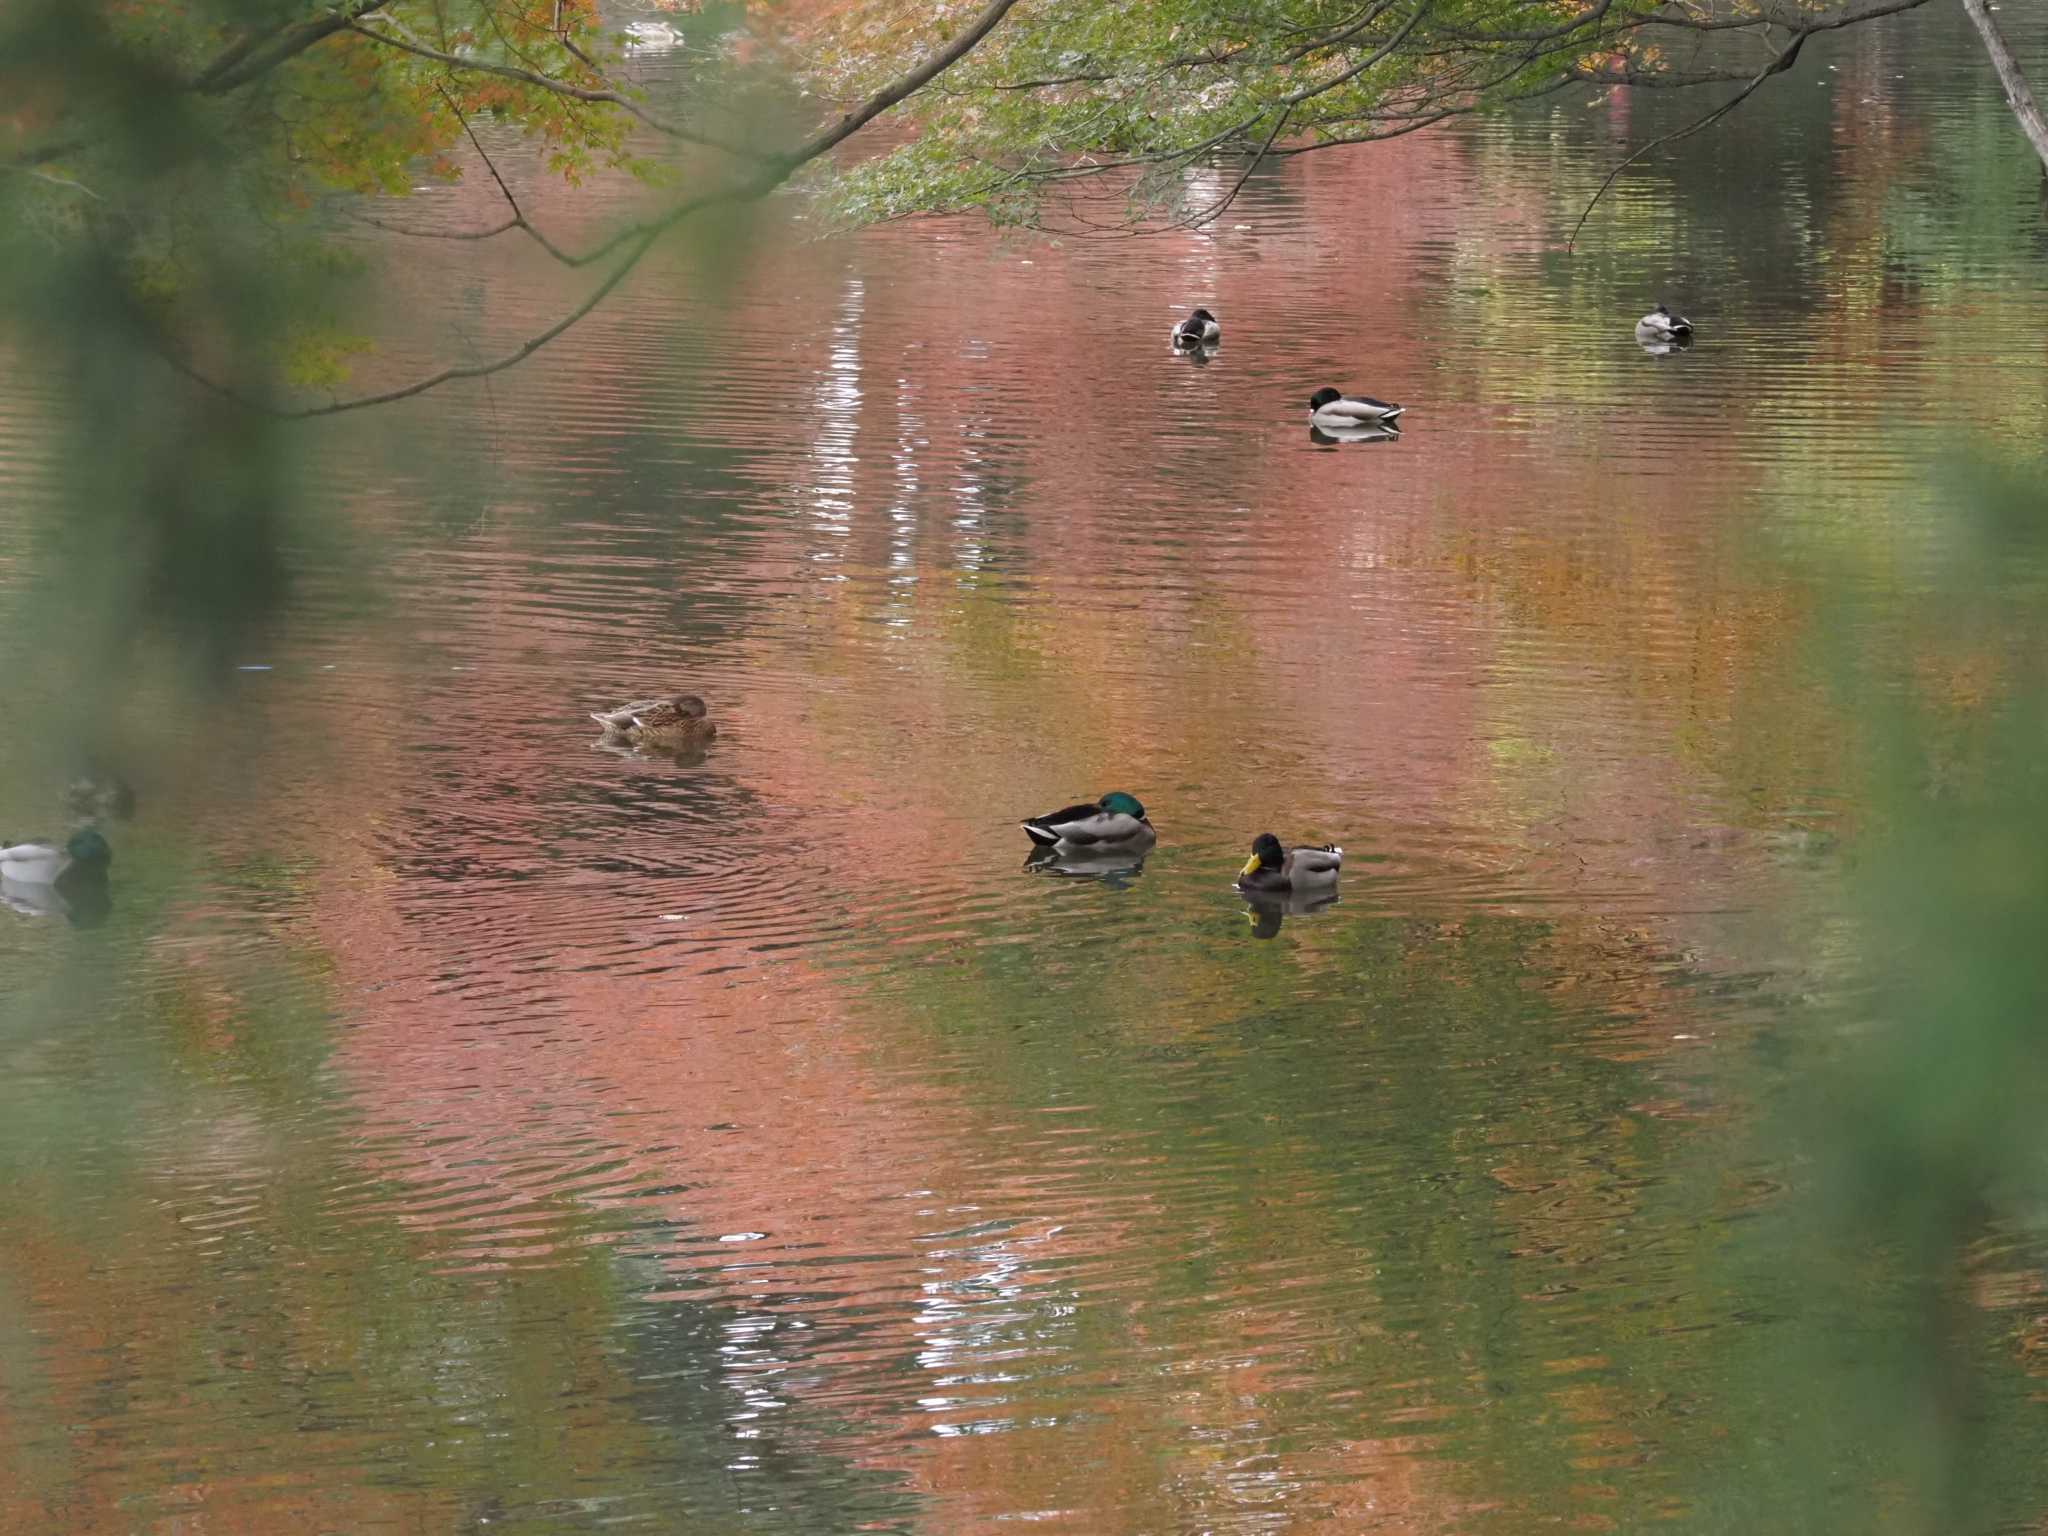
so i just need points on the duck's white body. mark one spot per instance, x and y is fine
(1661, 325)
(1327, 408)
(32, 864)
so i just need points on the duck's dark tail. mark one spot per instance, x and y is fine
(1039, 833)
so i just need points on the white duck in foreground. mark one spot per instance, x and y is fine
(1331, 408)
(85, 854)
(1662, 325)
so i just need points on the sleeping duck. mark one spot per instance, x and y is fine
(1117, 820)
(1198, 330)
(1330, 408)
(1662, 325)
(676, 722)
(1272, 870)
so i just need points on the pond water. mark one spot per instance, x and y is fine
(503, 1132)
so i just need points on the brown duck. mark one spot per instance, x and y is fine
(676, 722)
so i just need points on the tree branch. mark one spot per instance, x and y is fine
(1786, 58)
(1215, 209)
(639, 239)
(2018, 94)
(534, 77)
(261, 52)
(519, 219)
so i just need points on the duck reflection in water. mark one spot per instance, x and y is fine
(1114, 867)
(683, 755)
(1668, 346)
(1331, 436)
(1267, 910)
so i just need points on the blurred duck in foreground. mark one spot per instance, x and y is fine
(43, 879)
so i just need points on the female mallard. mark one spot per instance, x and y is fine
(1662, 325)
(1273, 870)
(676, 722)
(1331, 408)
(1117, 820)
(1198, 330)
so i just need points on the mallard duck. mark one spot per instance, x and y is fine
(1330, 408)
(1272, 870)
(1662, 325)
(84, 855)
(1198, 330)
(1117, 820)
(676, 722)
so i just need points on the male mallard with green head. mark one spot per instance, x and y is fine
(1273, 870)
(1117, 820)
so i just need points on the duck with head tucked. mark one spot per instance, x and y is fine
(1329, 408)
(1198, 332)
(1662, 325)
(1116, 821)
(679, 722)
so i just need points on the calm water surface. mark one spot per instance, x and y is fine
(502, 1132)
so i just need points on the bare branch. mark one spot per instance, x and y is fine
(640, 239)
(2018, 94)
(519, 219)
(434, 234)
(1215, 209)
(1787, 56)
(55, 180)
(905, 85)
(525, 77)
